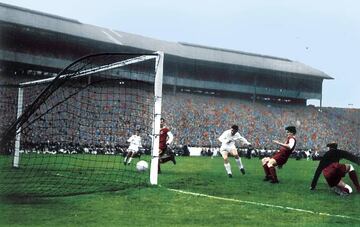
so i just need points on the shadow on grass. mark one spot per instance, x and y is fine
(20, 199)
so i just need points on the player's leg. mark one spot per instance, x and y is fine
(353, 176)
(333, 174)
(342, 188)
(161, 153)
(264, 162)
(224, 154)
(129, 157)
(238, 160)
(169, 156)
(271, 165)
(173, 158)
(133, 153)
(128, 154)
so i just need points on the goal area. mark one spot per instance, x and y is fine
(71, 134)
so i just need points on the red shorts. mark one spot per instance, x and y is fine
(334, 172)
(281, 158)
(164, 150)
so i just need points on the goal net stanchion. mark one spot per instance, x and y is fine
(157, 117)
(72, 129)
(16, 159)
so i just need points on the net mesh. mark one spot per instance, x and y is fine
(74, 129)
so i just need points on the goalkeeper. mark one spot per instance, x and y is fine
(333, 171)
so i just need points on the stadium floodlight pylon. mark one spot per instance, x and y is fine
(84, 114)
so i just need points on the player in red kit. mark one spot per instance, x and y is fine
(334, 171)
(166, 138)
(280, 157)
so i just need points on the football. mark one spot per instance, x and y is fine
(142, 166)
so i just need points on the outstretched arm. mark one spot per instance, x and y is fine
(347, 155)
(316, 176)
(289, 146)
(244, 141)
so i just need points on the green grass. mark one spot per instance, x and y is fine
(61, 175)
(159, 206)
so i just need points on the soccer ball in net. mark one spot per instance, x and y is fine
(142, 166)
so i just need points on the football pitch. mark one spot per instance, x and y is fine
(197, 192)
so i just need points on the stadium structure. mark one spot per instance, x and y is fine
(37, 45)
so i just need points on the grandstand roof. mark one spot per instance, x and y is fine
(44, 21)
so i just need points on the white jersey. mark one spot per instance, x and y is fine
(228, 141)
(135, 143)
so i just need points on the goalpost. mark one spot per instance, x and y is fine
(72, 129)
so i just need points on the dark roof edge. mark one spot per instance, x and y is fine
(233, 51)
(39, 13)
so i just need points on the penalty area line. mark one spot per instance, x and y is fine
(262, 204)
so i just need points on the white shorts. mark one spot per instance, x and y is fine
(227, 149)
(134, 149)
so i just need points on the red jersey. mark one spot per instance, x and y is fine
(163, 138)
(286, 150)
(283, 154)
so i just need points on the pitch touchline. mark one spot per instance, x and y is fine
(262, 204)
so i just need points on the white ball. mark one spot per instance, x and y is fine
(142, 166)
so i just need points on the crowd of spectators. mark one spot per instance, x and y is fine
(198, 120)
(109, 115)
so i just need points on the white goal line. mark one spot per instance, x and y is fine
(262, 204)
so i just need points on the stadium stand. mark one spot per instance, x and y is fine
(198, 120)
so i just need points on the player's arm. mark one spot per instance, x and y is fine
(289, 146)
(347, 155)
(170, 138)
(317, 175)
(222, 138)
(244, 141)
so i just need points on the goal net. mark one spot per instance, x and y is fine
(71, 135)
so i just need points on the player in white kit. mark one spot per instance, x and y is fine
(227, 140)
(135, 143)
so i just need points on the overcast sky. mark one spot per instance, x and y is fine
(324, 34)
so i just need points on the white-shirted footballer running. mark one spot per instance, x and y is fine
(135, 143)
(227, 140)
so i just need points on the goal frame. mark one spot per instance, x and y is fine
(158, 81)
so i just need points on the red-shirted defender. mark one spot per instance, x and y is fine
(280, 157)
(166, 138)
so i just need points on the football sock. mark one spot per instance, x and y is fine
(228, 168)
(129, 160)
(272, 171)
(354, 178)
(266, 170)
(239, 163)
(173, 159)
